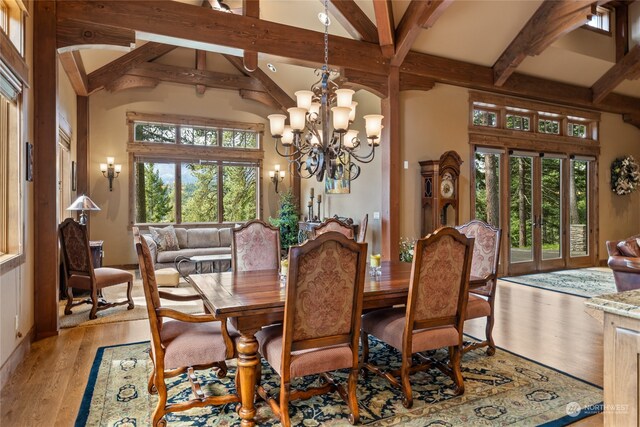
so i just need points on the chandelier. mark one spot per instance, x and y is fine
(310, 143)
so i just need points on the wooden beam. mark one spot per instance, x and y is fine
(420, 14)
(250, 58)
(82, 145)
(73, 66)
(412, 82)
(459, 73)
(633, 119)
(261, 97)
(628, 67)
(390, 150)
(75, 33)
(12, 58)
(131, 82)
(266, 83)
(353, 20)
(45, 191)
(553, 19)
(121, 66)
(354, 79)
(195, 23)
(621, 34)
(386, 27)
(201, 64)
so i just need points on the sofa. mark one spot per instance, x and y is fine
(194, 241)
(620, 253)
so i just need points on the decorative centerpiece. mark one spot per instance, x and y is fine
(625, 175)
(406, 249)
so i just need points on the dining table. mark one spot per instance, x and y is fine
(250, 300)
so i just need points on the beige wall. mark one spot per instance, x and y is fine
(108, 137)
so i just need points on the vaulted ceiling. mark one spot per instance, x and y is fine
(528, 48)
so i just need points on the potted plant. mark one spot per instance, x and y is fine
(287, 221)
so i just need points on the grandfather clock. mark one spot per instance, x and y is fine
(440, 195)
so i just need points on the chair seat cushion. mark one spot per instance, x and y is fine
(167, 277)
(190, 344)
(303, 362)
(477, 307)
(388, 325)
(107, 276)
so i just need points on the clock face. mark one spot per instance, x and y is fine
(446, 188)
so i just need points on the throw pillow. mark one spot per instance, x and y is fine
(165, 238)
(629, 248)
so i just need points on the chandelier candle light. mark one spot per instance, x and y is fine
(309, 141)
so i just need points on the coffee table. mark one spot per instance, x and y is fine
(198, 260)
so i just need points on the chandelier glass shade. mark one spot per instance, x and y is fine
(318, 139)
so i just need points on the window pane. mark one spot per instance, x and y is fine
(484, 118)
(239, 189)
(516, 122)
(155, 192)
(488, 188)
(155, 132)
(198, 136)
(551, 220)
(239, 139)
(576, 129)
(549, 126)
(199, 192)
(578, 208)
(521, 213)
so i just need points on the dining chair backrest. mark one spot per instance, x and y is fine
(362, 233)
(439, 283)
(486, 248)
(325, 284)
(255, 246)
(76, 253)
(332, 224)
(149, 284)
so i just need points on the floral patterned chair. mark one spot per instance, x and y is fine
(332, 224)
(323, 305)
(484, 277)
(181, 343)
(435, 311)
(79, 271)
(255, 246)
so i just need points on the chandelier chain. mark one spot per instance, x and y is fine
(326, 34)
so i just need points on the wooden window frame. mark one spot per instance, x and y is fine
(611, 14)
(177, 153)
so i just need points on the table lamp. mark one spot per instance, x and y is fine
(83, 203)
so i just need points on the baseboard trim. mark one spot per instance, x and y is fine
(18, 355)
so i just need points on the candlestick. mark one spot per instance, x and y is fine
(319, 202)
(312, 192)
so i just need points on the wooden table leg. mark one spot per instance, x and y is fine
(248, 359)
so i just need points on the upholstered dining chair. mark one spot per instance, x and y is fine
(362, 232)
(434, 313)
(332, 224)
(320, 333)
(255, 246)
(80, 274)
(181, 343)
(484, 278)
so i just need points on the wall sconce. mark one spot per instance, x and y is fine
(276, 176)
(110, 171)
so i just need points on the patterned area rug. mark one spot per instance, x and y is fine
(500, 390)
(583, 282)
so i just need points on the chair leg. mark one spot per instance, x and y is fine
(455, 356)
(94, 302)
(364, 337)
(407, 402)
(151, 387)
(222, 369)
(354, 417)
(67, 308)
(285, 389)
(158, 414)
(491, 350)
(129, 298)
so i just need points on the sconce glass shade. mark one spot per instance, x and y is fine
(111, 160)
(304, 99)
(277, 123)
(373, 125)
(297, 118)
(341, 118)
(350, 137)
(352, 114)
(287, 136)
(343, 97)
(103, 167)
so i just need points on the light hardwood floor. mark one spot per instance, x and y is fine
(548, 327)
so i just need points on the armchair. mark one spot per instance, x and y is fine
(620, 253)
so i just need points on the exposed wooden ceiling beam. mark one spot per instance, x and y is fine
(130, 82)
(377, 84)
(201, 64)
(353, 20)
(268, 85)
(386, 27)
(633, 119)
(73, 66)
(420, 14)
(261, 97)
(250, 58)
(147, 52)
(209, 26)
(70, 33)
(627, 68)
(191, 76)
(551, 20)
(459, 73)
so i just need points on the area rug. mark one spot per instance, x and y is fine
(499, 390)
(80, 313)
(583, 282)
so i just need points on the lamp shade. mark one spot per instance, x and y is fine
(341, 117)
(314, 111)
(303, 98)
(277, 123)
(83, 203)
(352, 114)
(373, 125)
(287, 136)
(343, 97)
(297, 118)
(350, 138)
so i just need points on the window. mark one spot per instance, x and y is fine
(206, 171)
(485, 118)
(10, 178)
(549, 126)
(518, 122)
(4, 16)
(577, 129)
(601, 20)
(487, 180)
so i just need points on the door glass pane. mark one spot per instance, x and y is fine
(578, 208)
(521, 205)
(199, 192)
(155, 192)
(239, 189)
(551, 218)
(487, 167)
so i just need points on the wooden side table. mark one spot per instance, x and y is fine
(96, 252)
